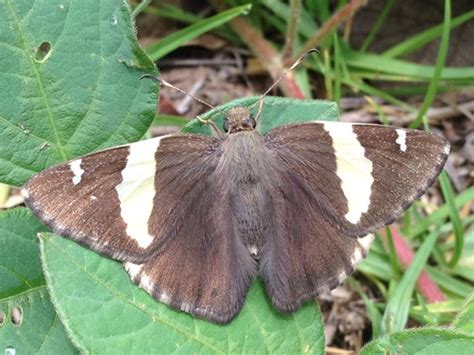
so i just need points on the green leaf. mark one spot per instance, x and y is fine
(104, 312)
(276, 111)
(22, 286)
(69, 82)
(169, 120)
(457, 340)
(173, 41)
(465, 318)
(422, 341)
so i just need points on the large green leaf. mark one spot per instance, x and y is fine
(458, 339)
(69, 82)
(83, 94)
(105, 313)
(22, 286)
(276, 111)
(422, 341)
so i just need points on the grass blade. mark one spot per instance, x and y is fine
(173, 13)
(448, 283)
(403, 70)
(306, 25)
(370, 305)
(421, 39)
(173, 41)
(378, 24)
(140, 7)
(454, 217)
(440, 61)
(441, 213)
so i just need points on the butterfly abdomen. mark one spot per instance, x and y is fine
(245, 161)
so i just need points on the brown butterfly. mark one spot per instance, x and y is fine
(195, 218)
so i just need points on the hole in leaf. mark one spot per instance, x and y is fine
(10, 350)
(43, 52)
(17, 316)
(2, 318)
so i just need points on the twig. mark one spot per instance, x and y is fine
(218, 62)
(183, 106)
(348, 28)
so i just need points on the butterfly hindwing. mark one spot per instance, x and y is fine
(202, 268)
(340, 182)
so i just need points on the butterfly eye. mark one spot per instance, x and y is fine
(226, 125)
(253, 123)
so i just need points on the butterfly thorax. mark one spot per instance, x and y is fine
(245, 160)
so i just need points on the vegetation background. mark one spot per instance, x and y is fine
(68, 86)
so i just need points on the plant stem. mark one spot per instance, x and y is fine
(264, 51)
(291, 32)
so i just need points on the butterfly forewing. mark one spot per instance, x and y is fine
(79, 199)
(363, 175)
(337, 182)
(105, 200)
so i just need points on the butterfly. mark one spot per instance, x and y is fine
(195, 218)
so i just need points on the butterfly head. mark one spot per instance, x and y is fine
(239, 119)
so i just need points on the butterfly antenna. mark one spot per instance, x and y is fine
(205, 103)
(167, 84)
(287, 71)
